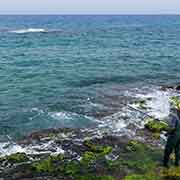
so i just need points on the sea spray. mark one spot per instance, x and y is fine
(160, 104)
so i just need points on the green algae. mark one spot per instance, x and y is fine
(88, 158)
(47, 165)
(134, 145)
(156, 126)
(142, 177)
(136, 159)
(141, 104)
(17, 158)
(156, 135)
(172, 173)
(175, 101)
(95, 152)
(71, 169)
(91, 177)
(98, 148)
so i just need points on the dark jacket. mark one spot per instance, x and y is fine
(174, 122)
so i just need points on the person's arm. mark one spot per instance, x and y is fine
(172, 123)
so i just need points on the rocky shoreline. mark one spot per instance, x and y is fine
(82, 156)
(90, 154)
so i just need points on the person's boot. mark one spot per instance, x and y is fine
(165, 161)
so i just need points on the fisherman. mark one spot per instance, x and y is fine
(173, 141)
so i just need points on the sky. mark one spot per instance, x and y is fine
(89, 6)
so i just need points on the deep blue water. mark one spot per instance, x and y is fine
(66, 71)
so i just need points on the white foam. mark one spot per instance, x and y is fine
(29, 30)
(68, 117)
(50, 147)
(159, 104)
(60, 115)
(127, 120)
(8, 148)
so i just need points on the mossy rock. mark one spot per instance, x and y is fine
(175, 101)
(141, 104)
(17, 158)
(104, 150)
(156, 126)
(156, 135)
(95, 153)
(138, 165)
(170, 174)
(71, 169)
(88, 158)
(134, 145)
(139, 157)
(142, 177)
(47, 165)
(90, 177)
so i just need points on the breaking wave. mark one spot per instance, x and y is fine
(29, 30)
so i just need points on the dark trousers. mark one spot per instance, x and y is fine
(173, 144)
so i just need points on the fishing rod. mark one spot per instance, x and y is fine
(142, 112)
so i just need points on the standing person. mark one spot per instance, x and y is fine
(173, 141)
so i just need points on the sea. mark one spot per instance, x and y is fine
(77, 71)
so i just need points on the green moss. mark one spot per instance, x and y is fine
(17, 158)
(90, 177)
(58, 157)
(156, 135)
(139, 165)
(88, 158)
(95, 152)
(142, 177)
(141, 104)
(71, 169)
(44, 166)
(47, 165)
(137, 158)
(170, 174)
(156, 126)
(134, 145)
(97, 148)
(175, 101)
(52, 135)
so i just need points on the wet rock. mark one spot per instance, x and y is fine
(17, 158)
(171, 87)
(166, 88)
(141, 104)
(175, 101)
(86, 155)
(178, 87)
(42, 134)
(156, 126)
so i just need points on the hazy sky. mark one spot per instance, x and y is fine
(89, 6)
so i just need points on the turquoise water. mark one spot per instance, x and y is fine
(70, 71)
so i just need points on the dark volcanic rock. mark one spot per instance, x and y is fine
(171, 87)
(85, 154)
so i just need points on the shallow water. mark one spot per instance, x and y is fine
(71, 71)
